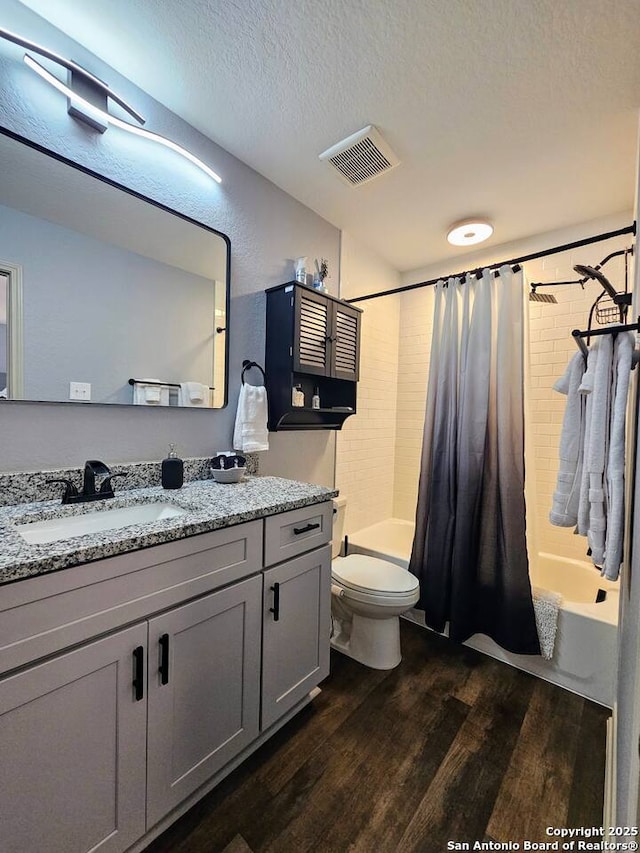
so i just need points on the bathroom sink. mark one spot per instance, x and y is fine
(65, 527)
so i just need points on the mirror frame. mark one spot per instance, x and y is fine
(62, 159)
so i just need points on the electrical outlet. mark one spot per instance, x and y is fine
(80, 391)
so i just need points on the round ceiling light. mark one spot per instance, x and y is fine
(469, 232)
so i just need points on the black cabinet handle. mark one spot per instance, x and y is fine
(276, 602)
(163, 669)
(306, 529)
(138, 672)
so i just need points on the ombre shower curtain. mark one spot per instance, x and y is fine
(469, 550)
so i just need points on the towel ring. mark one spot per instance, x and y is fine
(247, 365)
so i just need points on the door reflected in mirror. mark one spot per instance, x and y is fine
(4, 355)
(105, 296)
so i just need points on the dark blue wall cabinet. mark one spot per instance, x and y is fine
(313, 340)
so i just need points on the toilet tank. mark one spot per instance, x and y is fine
(339, 510)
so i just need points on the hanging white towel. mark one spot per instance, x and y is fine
(250, 434)
(586, 388)
(194, 394)
(622, 356)
(151, 394)
(564, 510)
(597, 449)
(605, 386)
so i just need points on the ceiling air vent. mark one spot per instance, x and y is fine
(361, 157)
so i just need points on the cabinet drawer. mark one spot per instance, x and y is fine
(292, 533)
(46, 614)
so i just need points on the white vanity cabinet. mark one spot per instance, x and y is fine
(296, 617)
(130, 686)
(72, 751)
(296, 628)
(204, 691)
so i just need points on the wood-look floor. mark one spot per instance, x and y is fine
(451, 745)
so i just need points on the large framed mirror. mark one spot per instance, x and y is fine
(105, 296)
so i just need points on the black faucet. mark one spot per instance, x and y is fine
(92, 467)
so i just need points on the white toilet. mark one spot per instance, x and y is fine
(367, 597)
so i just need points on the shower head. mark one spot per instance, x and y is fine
(591, 272)
(534, 296)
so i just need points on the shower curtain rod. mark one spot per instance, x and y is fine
(598, 238)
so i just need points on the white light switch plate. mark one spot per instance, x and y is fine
(80, 391)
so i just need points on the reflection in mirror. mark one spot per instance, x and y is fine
(4, 290)
(99, 287)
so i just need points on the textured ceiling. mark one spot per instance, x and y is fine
(522, 110)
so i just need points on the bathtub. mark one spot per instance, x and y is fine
(585, 654)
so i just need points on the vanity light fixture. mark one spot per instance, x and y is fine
(86, 111)
(88, 99)
(469, 232)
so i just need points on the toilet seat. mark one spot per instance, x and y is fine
(372, 577)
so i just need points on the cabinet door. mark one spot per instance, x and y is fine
(312, 325)
(345, 342)
(296, 631)
(204, 690)
(72, 751)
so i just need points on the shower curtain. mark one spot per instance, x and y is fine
(469, 550)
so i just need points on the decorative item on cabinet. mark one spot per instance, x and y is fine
(312, 341)
(322, 273)
(301, 270)
(228, 467)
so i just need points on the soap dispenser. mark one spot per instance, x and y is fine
(172, 470)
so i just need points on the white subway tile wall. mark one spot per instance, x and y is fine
(365, 447)
(416, 327)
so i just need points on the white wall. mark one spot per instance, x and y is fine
(365, 445)
(267, 228)
(493, 252)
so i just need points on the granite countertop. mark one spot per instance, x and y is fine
(210, 506)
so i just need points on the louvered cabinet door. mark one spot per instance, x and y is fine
(345, 343)
(311, 352)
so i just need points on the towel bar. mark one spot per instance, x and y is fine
(247, 365)
(158, 382)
